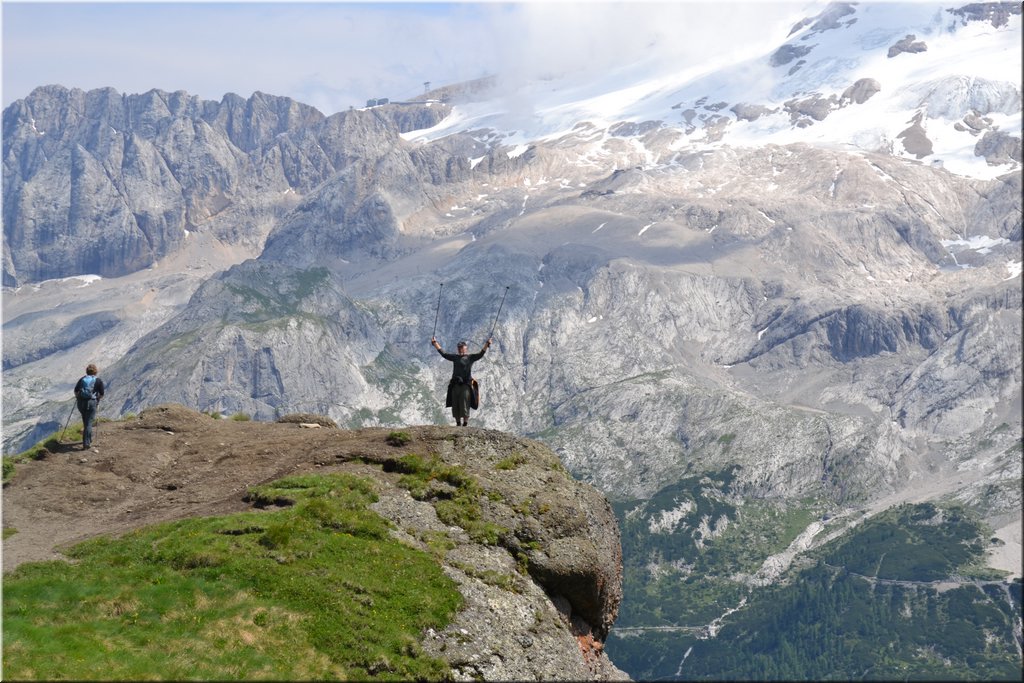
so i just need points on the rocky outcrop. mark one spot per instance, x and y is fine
(787, 53)
(998, 147)
(816, 107)
(915, 139)
(748, 112)
(564, 534)
(861, 91)
(995, 13)
(909, 44)
(994, 205)
(535, 553)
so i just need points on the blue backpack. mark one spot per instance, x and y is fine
(86, 390)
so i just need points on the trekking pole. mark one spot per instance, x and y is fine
(438, 310)
(73, 406)
(96, 421)
(498, 313)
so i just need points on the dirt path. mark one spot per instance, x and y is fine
(168, 464)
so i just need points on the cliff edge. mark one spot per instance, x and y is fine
(535, 553)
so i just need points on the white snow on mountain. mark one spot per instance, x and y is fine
(943, 69)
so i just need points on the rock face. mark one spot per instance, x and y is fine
(908, 43)
(808, 282)
(541, 588)
(102, 183)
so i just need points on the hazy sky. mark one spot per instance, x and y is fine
(333, 55)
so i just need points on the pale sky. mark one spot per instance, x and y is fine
(333, 55)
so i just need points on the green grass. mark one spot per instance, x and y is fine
(453, 492)
(398, 438)
(9, 531)
(511, 462)
(241, 417)
(502, 580)
(314, 590)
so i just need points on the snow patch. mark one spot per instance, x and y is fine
(979, 243)
(517, 151)
(85, 281)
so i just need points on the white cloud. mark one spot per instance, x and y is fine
(331, 55)
(336, 54)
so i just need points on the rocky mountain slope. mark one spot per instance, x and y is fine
(108, 184)
(539, 564)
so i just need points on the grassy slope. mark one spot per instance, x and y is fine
(311, 591)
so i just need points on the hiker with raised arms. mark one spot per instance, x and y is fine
(461, 392)
(88, 393)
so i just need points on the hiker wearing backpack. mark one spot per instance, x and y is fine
(88, 393)
(463, 393)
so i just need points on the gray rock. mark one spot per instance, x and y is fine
(861, 91)
(996, 13)
(749, 112)
(815, 106)
(550, 623)
(909, 44)
(787, 53)
(152, 168)
(998, 147)
(830, 17)
(33, 336)
(915, 139)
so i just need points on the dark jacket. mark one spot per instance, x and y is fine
(462, 373)
(462, 366)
